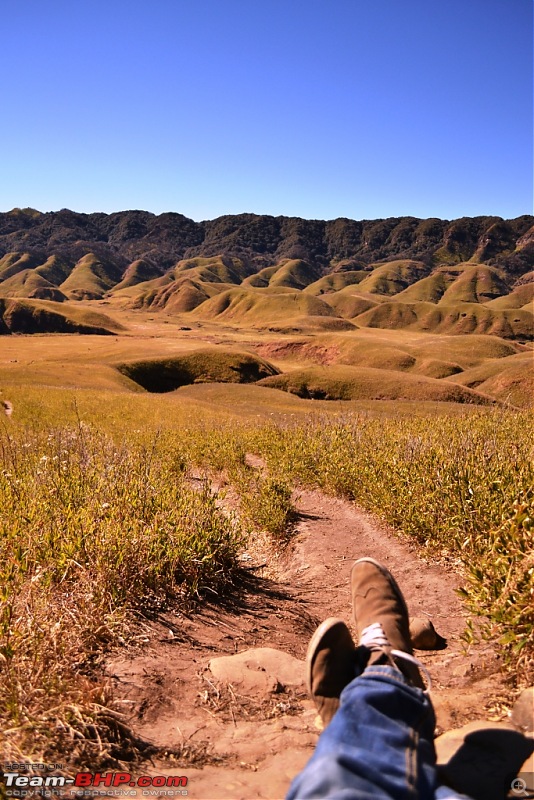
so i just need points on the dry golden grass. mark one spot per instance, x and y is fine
(88, 462)
(455, 297)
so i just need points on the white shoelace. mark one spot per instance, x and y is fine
(374, 638)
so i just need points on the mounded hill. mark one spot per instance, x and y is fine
(294, 274)
(137, 272)
(91, 278)
(468, 283)
(29, 283)
(521, 297)
(392, 277)
(185, 286)
(367, 383)
(350, 304)
(474, 284)
(460, 318)
(261, 307)
(33, 316)
(510, 380)
(337, 281)
(200, 366)
(435, 356)
(218, 269)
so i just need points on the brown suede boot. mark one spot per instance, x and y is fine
(381, 616)
(330, 666)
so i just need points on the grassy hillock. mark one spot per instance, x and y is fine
(137, 272)
(350, 304)
(261, 279)
(186, 286)
(458, 318)
(12, 263)
(55, 269)
(380, 355)
(200, 366)
(368, 383)
(473, 284)
(520, 297)
(295, 274)
(466, 350)
(510, 381)
(336, 282)
(219, 269)
(420, 354)
(393, 277)
(91, 278)
(29, 283)
(33, 316)
(175, 296)
(261, 307)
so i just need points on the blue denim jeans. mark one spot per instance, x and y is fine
(379, 745)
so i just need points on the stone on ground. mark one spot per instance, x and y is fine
(424, 636)
(259, 671)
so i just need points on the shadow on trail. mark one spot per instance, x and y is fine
(260, 601)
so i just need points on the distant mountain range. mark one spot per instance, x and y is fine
(261, 241)
(461, 276)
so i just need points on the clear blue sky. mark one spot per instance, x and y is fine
(311, 108)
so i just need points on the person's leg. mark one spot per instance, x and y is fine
(378, 746)
(379, 743)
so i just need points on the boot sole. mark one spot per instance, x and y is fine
(313, 646)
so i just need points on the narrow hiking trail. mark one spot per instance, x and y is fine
(241, 728)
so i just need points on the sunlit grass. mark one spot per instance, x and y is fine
(99, 520)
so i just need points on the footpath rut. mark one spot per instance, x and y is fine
(246, 734)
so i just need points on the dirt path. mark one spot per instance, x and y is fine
(247, 740)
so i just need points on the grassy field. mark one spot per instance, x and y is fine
(100, 522)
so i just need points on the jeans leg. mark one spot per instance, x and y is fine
(379, 745)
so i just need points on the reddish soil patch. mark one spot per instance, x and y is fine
(315, 353)
(233, 745)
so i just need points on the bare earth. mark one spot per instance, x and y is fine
(248, 736)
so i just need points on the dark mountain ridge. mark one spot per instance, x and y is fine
(260, 241)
